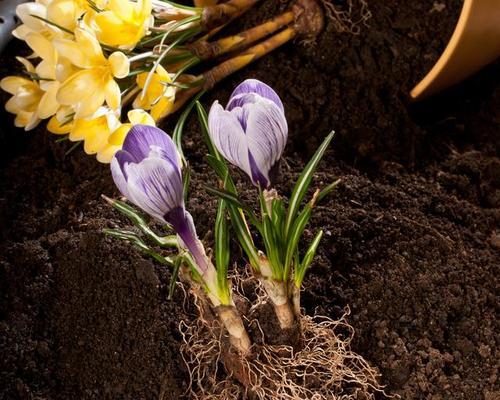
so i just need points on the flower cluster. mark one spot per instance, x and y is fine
(82, 53)
(94, 61)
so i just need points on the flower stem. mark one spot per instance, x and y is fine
(141, 56)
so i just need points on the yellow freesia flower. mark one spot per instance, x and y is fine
(26, 96)
(122, 23)
(87, 89)
(159, 96)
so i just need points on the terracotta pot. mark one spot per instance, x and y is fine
(474, 44)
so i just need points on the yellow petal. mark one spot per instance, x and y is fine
(41, 46)
(113, 95)
(26, 120)
(120, 66)
(123, 9)
(58, 128)
(64, 69)
(48, 105)
(105, 155)
(11, 84)
(140, 117)
(21, 32)
(26, 63)
(90, 47)
(119, 135)
(79, 86)
(64, 13)
(71, 50)
(26, 13)
(84, 127)
(162, 108)
(90, 105)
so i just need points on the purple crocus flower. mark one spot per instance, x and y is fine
(251, 132)
(147, 171)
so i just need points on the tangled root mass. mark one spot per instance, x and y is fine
(323, 368)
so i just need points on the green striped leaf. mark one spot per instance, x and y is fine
(303, 183)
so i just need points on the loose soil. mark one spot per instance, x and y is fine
(411, 244)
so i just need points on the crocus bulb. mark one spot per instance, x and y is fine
(251, 132)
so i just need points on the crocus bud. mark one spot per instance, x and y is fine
(147, 171)
(251, 132)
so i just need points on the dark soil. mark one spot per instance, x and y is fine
(412, 241)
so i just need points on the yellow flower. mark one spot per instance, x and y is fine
(159, 96)
(32, 16)
(87, 89)
(122, 24)
(26, 96)
(52, 70)
(62, 122)
(115, 140)
(66, 13)
(102, 134)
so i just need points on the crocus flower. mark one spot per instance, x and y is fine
(147, 171)
(251, 132)
(159, 97)
(122, 23)
(26, 97)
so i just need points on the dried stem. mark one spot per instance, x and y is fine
(308, 21)
(206, 50)
(234, 64)
(220, 14)
(205, 3)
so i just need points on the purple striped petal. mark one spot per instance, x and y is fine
(253, 86)
(117, 170)
(183, 224)
(267, 132)
(228, 136)
(155, 185)
(140, 138)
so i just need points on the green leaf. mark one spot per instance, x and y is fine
(221, 170)
(327, 190)
(294, 237)
(173, 278)
(234, 201)
(228, 196)
(185, 182)
(239, 224)
(139, 243)
(133, 215)
(303, 183)
(222, 252)
(278, 218)
(179, 127)
(300, 271)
